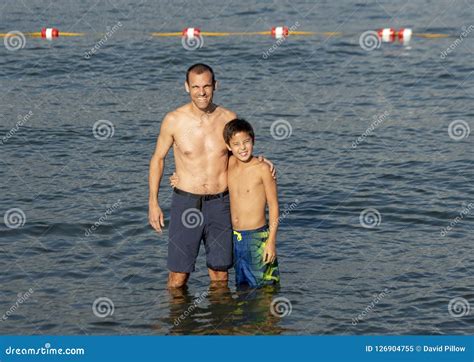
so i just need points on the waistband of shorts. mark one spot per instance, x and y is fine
(246, 232)
(205, 197)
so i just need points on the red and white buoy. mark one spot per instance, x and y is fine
(191, 33)
(387, 35)
(49, 33)
(404, 35)
(279, 32)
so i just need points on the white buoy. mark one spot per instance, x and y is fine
(190, 33)
(404, 35)
(49, 33)
(387, 35)
(279, 32)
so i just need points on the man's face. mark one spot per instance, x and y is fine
(241, 146)
(201, 89)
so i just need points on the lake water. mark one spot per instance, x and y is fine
(376, 189)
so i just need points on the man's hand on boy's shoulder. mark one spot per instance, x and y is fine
(270, 164)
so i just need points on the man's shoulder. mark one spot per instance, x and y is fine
(178, 112)
(226, 114)
(173, 117)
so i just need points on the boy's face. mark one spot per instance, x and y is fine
(241, 146)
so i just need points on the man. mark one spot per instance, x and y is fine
(200, 208)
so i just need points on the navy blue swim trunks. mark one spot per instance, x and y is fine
(199, 217)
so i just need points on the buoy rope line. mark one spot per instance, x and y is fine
(386, 35)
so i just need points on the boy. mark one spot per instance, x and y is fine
(251, 189)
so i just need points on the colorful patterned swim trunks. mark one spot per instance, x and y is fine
(248, 258)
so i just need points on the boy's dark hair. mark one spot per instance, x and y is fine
(200, 68)
(235, 126)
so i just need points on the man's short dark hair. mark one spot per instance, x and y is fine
(200, 68)
(235, 126)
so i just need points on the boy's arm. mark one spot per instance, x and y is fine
(269, 163)
(157, 164)
(270, 186)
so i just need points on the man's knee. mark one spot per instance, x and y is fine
(177, 280)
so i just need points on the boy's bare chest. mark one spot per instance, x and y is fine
(244, 184)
